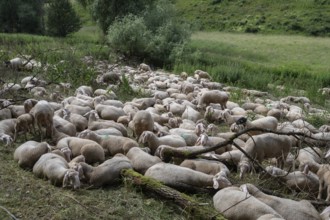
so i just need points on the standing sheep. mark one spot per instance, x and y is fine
(264, 146)
(43, 114)
(213, 96)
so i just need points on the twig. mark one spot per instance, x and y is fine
(8, 212)
(87, 208)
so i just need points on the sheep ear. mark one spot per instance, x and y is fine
(327, 154)
(306, 169)
(65, 179)
(215, 183)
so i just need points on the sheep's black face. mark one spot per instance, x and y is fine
(241, 121)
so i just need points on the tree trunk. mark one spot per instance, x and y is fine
(193, 209)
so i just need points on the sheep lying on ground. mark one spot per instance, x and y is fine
(231, 202)
(268, 122)
(141, 160)
(287, 208)
(183, 178)
(7, 129)
(153, 142)
(92, 151)
(264, 146)
(142, 121)
(209, 141)
(106, 173)
(297, 180)
(205, 166)
(213, 96)
(79, 121)
(56, 169)
(29, 153)
(112, 144)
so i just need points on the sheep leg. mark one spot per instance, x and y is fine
(328, 194)
(321, 187)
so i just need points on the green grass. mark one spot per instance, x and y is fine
(308, 17)
(254, 60)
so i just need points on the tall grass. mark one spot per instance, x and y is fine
(254, 61)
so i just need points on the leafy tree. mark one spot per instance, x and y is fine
(106, 11)
(62, 19)
(22, 16)
(156, 36)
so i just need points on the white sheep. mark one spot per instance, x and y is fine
(268, 122)
(263, 146)
(297, 180)
(84, 90)
(28, 153)
(153, 142)
(43, 115)
(183, 178)
(142, 121)
(213, 96)
(64, 126)
(95, 124)
(141, 160)
(24, 123)
(228, 118)
(206, 166)
(56, 169)
(92, 151)
(324, 181)
(108, 112)
(233, 203)
(107, 173)
(112, 144)
(310, 157)
(189, 136)
(209, 141)
(287, 208)
(191, 114)
(79, 121)
(7, 130)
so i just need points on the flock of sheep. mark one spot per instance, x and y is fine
(91, 136)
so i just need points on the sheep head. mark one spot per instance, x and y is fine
(8, 140)
(242, 120)
(71, 179)
(244, 167)
(220, 181)
(202, 140)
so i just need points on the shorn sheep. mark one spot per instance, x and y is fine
(183, 178)
(232, 201)
(268, 122)
(141, 160)
(264, 146)
(43, 114)
(56, 169)
(213, 96)
(153, 142)
(92, 151)
(142, 121)
(24, 124)
(287, 208)
(112, 144)
(29, 153)
(106, 173)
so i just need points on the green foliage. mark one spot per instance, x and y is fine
(129, 36)
(62, 19)
(157, 37)
(307, 17)
(22, 16)
(105, 12)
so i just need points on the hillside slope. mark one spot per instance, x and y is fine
(308, 17)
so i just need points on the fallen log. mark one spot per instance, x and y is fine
(192, 208)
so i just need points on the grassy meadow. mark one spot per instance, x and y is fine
(240, 59)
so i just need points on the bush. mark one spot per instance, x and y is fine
(155, 37)
(129, 36)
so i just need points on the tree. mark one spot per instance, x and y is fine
(62, 19)
(105, 12)
(22, 16)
